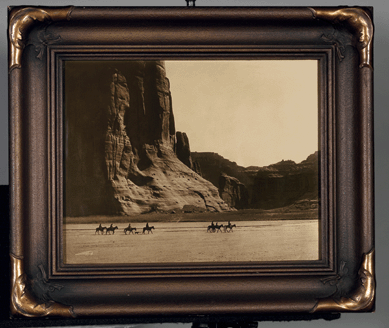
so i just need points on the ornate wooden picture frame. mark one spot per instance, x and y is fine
(42, 39)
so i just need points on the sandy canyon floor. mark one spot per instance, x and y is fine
(172, 242)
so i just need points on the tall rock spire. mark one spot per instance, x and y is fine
(120, 156)
(118, 150)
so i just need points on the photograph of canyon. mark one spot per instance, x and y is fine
(182, 161)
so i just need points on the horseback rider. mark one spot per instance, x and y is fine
(147, 225)
(99, 229)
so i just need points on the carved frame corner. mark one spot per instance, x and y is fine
(359, 21)
(21, 20)
(24, 303)
(362, 299)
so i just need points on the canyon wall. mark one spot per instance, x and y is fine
(277, 185)
(286, 183)
(233, 192)
(120, 143)
(123, 155)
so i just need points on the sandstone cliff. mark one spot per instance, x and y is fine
(121, 142)
(233, 192)
(277, 185)
(182, 149)
(212, 165)
(286, 183)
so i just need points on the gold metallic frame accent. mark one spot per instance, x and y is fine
(23, 301)
(21, 20)
(359, 20)
(363, 297)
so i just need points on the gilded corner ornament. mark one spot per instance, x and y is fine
(21, 20)
(23, 302)
(359, 21)
(362, 299)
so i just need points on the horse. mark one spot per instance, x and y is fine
(214, 227)
(100, 229)
(130, 230)
(229, 226)
(111, 229)
(218, 227)
(148, 229)
(211, 227)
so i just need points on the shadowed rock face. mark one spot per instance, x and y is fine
(120, 143)
(286, 183)
(119, 157)
(183, 152)
(212, 165)
(233, 192)
(225, 175)
(183, 149)
(281, 184)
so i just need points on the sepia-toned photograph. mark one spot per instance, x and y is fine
(190, 161)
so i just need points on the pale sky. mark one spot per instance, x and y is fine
(252, 112)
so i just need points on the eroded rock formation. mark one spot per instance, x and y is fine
(213, 164)
(286, 183)
(122, 157)
(233, 192)
(183, 152)
(183, 149)
(121, 144)
(277, 185)
(119, 157)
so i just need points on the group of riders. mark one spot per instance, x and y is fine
(131, 230)
(214, 227)
(218, 227)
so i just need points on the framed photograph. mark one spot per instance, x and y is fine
(191, 161)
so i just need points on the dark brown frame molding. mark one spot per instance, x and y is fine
(41, 38)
